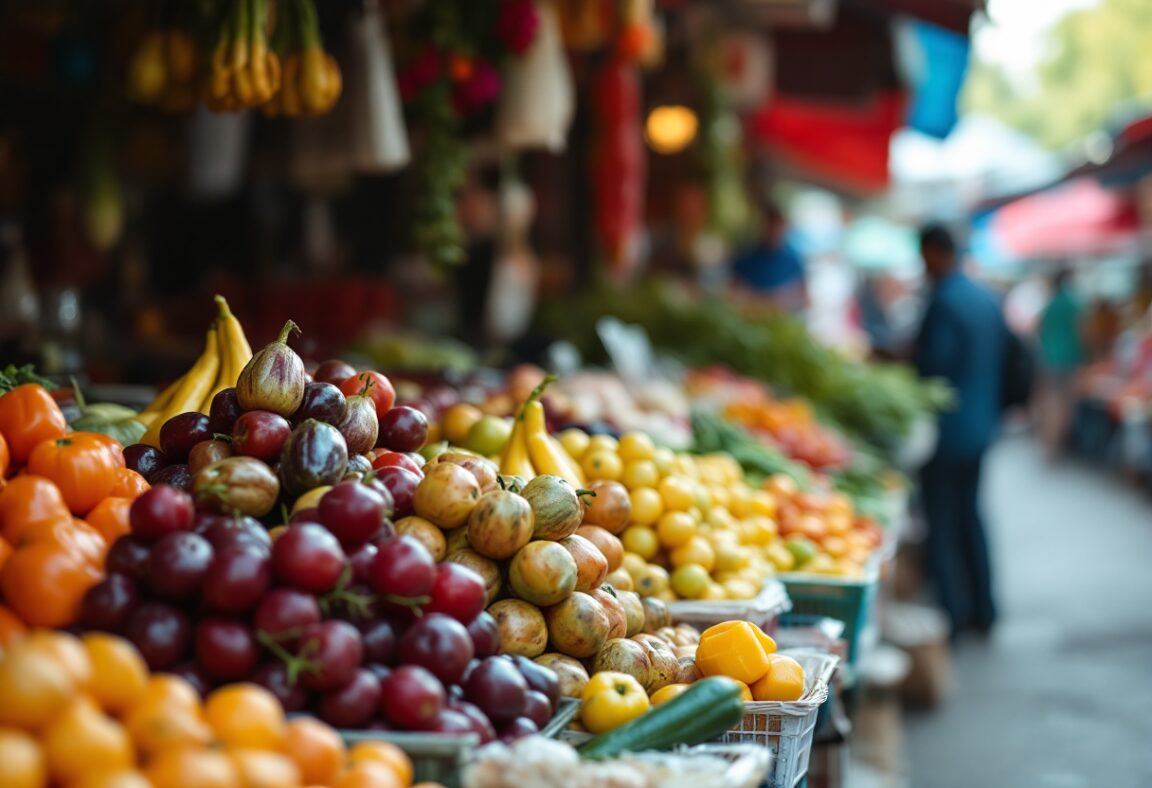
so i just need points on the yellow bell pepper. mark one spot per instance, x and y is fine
(737, 649)
(611, 699)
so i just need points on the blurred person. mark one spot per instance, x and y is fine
(1061, 353)
(772, 271)
(962, 339)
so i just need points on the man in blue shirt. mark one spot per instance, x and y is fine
(962, 339)
(772, 271)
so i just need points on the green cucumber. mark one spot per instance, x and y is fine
(701, 713)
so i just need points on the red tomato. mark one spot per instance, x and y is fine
(379, 389)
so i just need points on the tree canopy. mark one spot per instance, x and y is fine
(1097, 68)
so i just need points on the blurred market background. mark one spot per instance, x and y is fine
(491, 183)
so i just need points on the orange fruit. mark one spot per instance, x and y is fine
(384, 753)
(190, 767)
(783, 681)
(458, 420)
(246, 715)
(167, 716)
(82, 739)
(265, 769)
(172, 690)
(122, 778)
(316, 748)
(119, 673)
(110, 518)
(11, 628)
(368, 775)
(21, 761)
(68, 652)
(667, 693)
(33, 688)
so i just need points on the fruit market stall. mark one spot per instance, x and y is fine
(346, 535)
(290, 547)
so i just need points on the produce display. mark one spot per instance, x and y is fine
(289, 542)
(226, 352)
(86, 712)
(67, 502)
(878, 403)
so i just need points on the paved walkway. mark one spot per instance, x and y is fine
(1061, 695)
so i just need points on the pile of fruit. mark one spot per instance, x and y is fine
(294, 533)
(693, 528)
(66, 502)
(333, 614)
(86, 712)
(788, 424)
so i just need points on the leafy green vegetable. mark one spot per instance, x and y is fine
(12, 376)
(107, 418)
(878, 403)
(712, 433)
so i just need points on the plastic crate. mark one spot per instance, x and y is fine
(435, 757)
(787, 727)
(847, 601)
(439, 758)
(763, 610)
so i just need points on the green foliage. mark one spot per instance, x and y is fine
(12, 376)
(1098, 64)
(875, 402)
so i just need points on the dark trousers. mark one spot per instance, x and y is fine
(957, 549)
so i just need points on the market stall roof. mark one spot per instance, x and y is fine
(1077, 218)
(1129, 160)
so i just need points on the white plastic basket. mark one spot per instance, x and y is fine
(763, 610)
(787, 727)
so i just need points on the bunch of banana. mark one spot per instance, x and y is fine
(244, 71)
(531, 450)
(226, 351)
(165, 68)
(311, 80)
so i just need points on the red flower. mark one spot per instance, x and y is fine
(481, 88)
(516, 26)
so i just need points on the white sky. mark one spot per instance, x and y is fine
(1015, 33)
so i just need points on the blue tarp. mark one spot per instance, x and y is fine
(935, 63)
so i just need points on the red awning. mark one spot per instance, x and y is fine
(1077, 218)
(842, 145)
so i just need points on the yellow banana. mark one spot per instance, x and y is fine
(156, 406)
(514, 459)
(234, 349)
(193, 387)
(546, 453)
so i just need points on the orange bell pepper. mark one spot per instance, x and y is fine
(29, 415)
